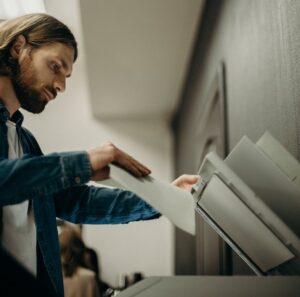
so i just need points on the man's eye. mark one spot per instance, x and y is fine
(55, 67)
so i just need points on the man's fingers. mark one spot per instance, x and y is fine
(109, 153)
(141, 168)
(192, 178)
(134, 169)
(130, 164)
(186, 181)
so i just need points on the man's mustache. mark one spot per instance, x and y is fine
(52, 91)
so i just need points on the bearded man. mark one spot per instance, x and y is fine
(37, 53)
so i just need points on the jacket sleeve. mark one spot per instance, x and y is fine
(101, 205)
(32, 176)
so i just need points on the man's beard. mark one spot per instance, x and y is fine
(24, 80)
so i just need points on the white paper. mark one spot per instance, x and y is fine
(176, 204)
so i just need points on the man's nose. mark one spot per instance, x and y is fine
(60, 84)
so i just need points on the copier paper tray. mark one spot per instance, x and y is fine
(241, 218)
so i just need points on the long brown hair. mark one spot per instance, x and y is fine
(72, 250)
(38, 29)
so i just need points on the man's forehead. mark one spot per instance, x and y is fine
(65, 50)
(59, 48)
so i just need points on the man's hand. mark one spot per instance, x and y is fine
(186, 181)
(102, 156)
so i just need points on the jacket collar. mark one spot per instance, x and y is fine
(17, 117)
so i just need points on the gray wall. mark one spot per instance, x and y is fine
(259, 43)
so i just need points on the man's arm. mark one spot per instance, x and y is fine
(100, 205)
(32, 176)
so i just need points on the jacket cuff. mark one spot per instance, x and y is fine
(76, 168)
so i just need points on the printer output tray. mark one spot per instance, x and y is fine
(240, 218)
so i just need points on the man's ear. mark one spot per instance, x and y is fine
(18, 46)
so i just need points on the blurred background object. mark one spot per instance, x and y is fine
(79, 280)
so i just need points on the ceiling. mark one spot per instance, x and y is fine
(137, 54)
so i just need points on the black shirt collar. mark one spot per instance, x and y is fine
(17, 117)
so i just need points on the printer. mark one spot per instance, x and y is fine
(252, 200)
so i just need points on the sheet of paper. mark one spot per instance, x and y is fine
(176, 204)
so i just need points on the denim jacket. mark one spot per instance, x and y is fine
(56, 184)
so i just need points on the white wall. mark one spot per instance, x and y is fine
(67, 124)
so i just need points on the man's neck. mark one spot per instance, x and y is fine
(8, 95)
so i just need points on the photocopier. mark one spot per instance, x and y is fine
(252, 200)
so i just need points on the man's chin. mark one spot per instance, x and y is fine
(36, 109)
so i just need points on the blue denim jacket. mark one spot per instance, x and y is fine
(56, 184)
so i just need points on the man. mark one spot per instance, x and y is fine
(37, 53)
